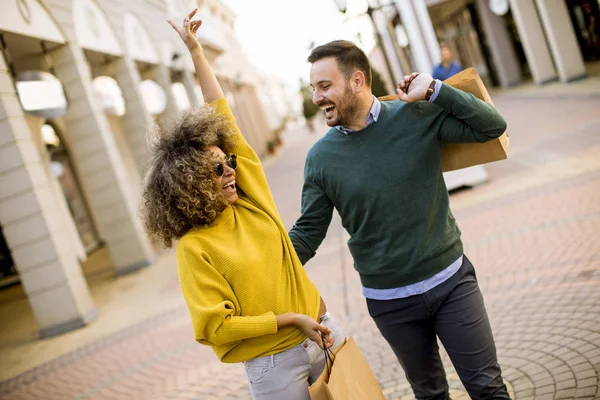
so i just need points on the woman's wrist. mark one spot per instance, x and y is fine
(286, 320)
(196, 51)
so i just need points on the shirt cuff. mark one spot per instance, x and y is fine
(436, 90)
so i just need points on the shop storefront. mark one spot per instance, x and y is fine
(509, 41)
(585, 15)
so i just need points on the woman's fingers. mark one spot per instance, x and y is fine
(191, 14)
(323, 335)
(323, 329)
(173, 24)
(195, 25)
(330, 342)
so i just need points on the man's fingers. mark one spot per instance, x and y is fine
(402, 96)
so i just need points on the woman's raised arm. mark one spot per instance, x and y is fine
(211, 89)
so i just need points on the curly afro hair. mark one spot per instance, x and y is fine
(179, 189)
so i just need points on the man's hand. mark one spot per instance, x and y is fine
(188, 30)
(417, 84)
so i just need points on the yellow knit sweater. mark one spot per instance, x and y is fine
(242, 270)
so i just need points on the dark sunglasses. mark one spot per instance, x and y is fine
(231, 162)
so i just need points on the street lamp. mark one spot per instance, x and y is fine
(371, 8)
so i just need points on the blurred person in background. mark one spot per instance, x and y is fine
(247, 292)
(448, 67)
(379, 166)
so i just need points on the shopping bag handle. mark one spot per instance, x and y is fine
(329, 356)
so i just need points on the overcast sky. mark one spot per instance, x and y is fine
(276, 34)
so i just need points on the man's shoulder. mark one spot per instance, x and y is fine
(396, 104)
(392, 109)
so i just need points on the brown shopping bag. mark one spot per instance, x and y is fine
(348, 377)
(463, 155)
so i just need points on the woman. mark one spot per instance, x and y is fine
(247, 292)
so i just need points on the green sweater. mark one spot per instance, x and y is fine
(386, 183)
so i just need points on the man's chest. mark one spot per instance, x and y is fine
(391, 167)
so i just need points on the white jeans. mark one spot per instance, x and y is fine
(288, 374)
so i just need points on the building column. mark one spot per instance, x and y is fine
(418, 45)
(381, 20)
(100, 166)
(188, 78)
(561, 38)
(137, 118)
(257, 119)
(534, 41)
(162, 76)
(264, 128)
(430, 38)
(34, 231)
(502, 51)
(245, 119)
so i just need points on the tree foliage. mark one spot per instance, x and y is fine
(309, 109)
(378, 85)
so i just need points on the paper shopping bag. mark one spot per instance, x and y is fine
(462, 155)
(350, 377)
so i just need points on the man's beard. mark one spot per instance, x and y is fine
(346, 108)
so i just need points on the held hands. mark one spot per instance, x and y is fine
(417, 85)
(188, 30)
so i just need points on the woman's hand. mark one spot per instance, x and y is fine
(314, 330)
(308, 326)
(188, 30)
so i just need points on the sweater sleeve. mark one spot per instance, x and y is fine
(466, 118)
(213, 307)
(317, 210)
(250, 175)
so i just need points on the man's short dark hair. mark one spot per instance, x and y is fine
(348, 56)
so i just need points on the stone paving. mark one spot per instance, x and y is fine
(532, 232)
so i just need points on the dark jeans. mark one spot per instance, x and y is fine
(454, 312)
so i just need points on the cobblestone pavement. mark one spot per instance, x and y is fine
(532, 232)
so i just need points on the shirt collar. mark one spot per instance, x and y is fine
(371, 118)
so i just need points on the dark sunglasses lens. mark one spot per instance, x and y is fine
(232, 162)
(219, 169)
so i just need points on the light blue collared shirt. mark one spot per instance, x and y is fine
(415, 288)
(371, 118)
(376, 109)
(429, 283)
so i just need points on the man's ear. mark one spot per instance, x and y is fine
(358, 81)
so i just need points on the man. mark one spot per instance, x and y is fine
(379, 166)
(447, 68)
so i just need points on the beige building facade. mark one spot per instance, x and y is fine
(80, 81)
(507, 41)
